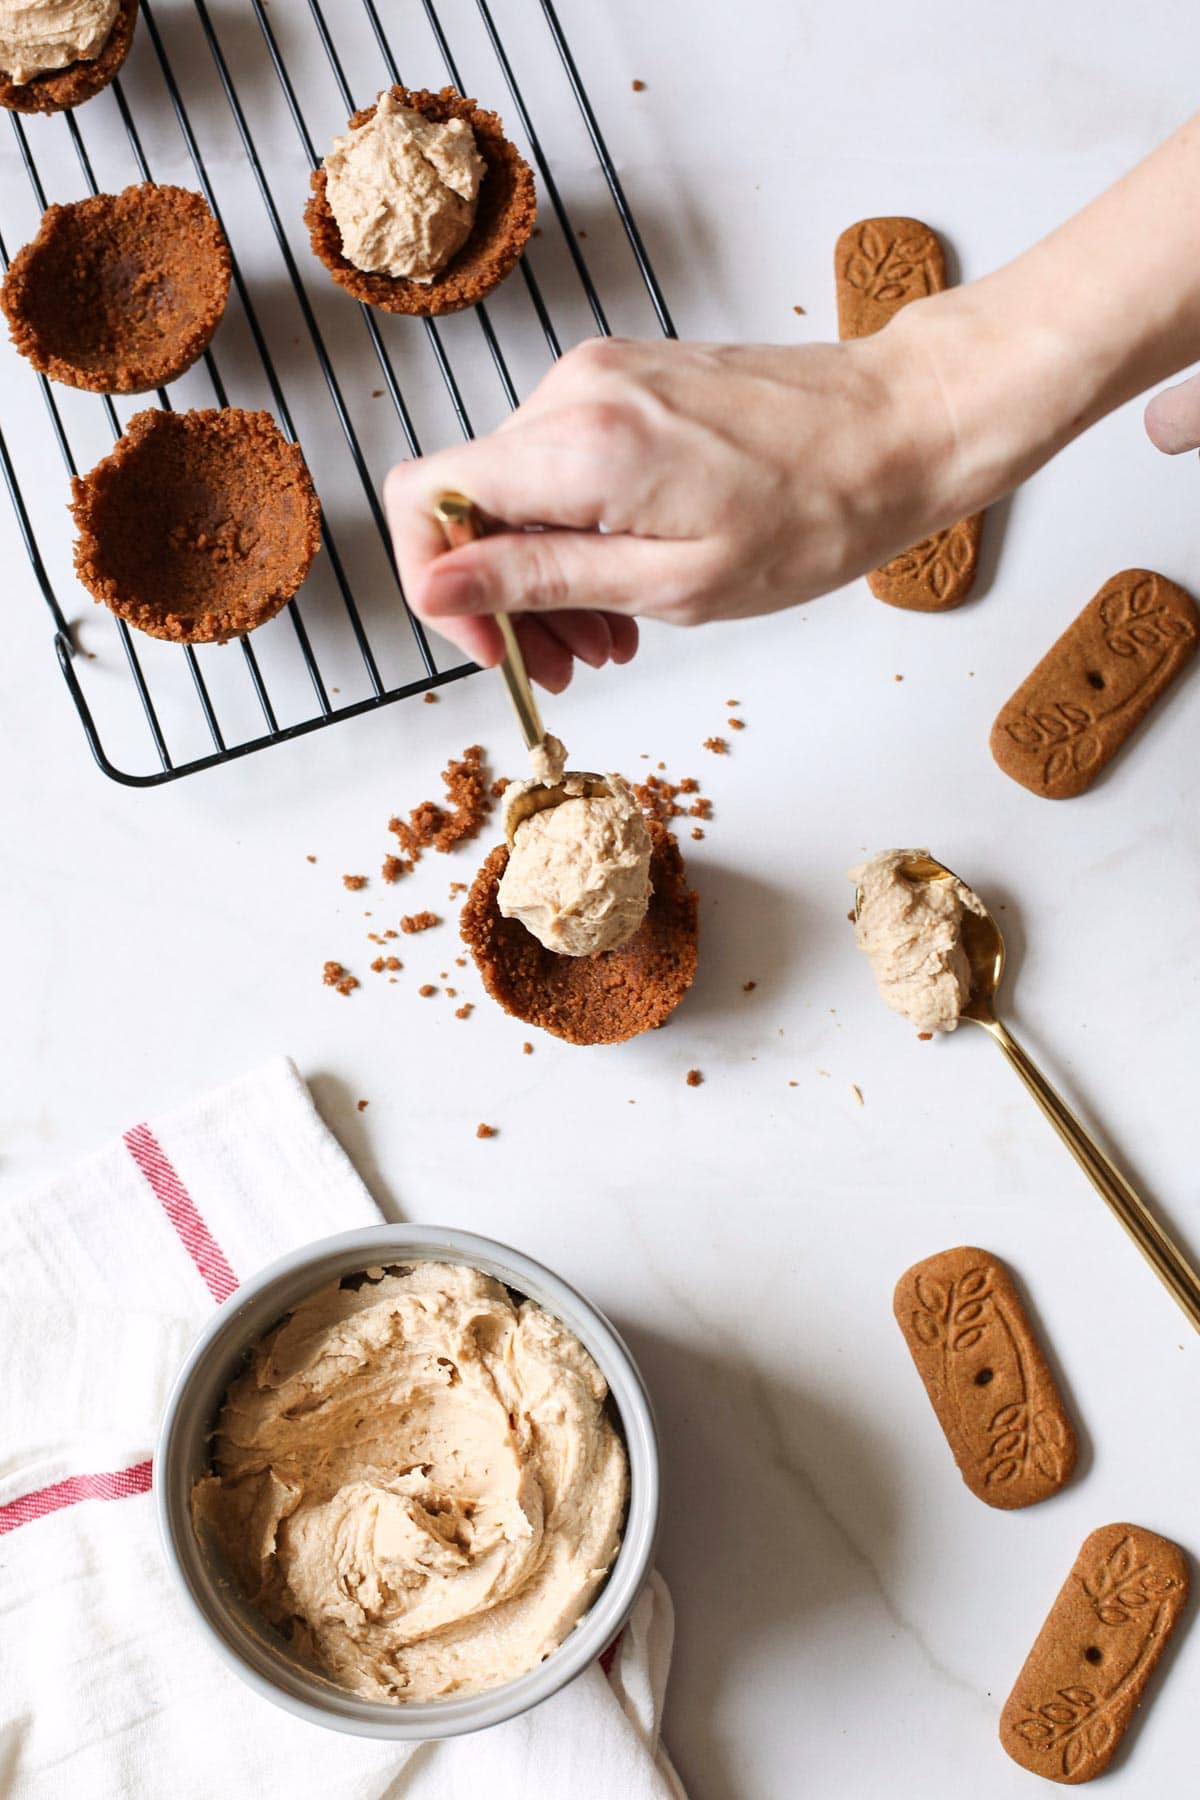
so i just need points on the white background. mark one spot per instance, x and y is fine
(850, 1619)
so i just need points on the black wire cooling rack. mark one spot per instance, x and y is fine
(200, 707)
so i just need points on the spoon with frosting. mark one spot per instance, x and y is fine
(578, 874)
(937, 955)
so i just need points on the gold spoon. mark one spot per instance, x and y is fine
(461, 524)
(984, 945)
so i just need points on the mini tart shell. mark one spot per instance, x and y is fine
(198, 526)
(504, 219)
(119, 293)
(58, 90)
(603, 999)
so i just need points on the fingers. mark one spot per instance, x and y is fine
(550, 645)
(559, 571)
(1173, 418)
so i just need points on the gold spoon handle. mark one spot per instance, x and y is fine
(1161, 1252)
(460, 524)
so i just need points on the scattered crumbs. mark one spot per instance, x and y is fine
(373, 937)
(451, 993)
(717, 745)
(639, 87)
(457, 888)
(310, 859)
(431, 698)
(736, 724)
(897, 678)
(824, 1072)
(422, 921)
(852, 916)
(377, 965)
(527, 1050)
(392, 962)
(799, 309)
(537, 231)
(793, 1084)
(464, 1011)
(857, 1092)
(354, 882)
(748, 987)
(644, 755)
(924, 1036)
(368, 915)
(377, 393)
(91, 655)
(443, 974)
(391, 981)
(696, 832)
(688, 785)
(661, 766)
(394, 867)
(335, 690)
(362, 1105)
(335, 976)
(426, 990)
(485, 1131)
(389, 933)
(733, 703)
(700, 809)
(467, 805)
(460, 962)
(499, 787)
(581, 234)
(971, 674)
(694, 1078)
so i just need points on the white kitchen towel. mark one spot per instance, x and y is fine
(108, 1687)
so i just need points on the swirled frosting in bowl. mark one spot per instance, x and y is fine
(416, 1480)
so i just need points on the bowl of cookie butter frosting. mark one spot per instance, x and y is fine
(408, 1480)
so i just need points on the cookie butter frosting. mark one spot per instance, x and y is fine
(403, 190)
(578, 873)
(37, 36)
(417, 1482)
(911, 932)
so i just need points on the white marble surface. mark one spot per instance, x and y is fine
(850, 1619)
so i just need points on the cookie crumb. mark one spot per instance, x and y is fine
(897, 678)
(310, 859)
(464, 1011)
(394, 867)
(736, 724)
(377, 965)
(377, 393)
(485, 1131)
(451, 993)
(526, 1049)
(639, 87)
(857, 1092)
(441, 827)
(696, 832)
(499, 787)
(457, 888)
(362, 1105)
(354, 882)
(422, 921)
(392, 962)
(800, 310)
(389, 933)
(748, 987)
(717, 745)
(426, 990)
(335, 976)
(793, 1084)
(924, 1036)
(694, 1078)
(431, 698)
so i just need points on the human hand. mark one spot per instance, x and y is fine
(682, 482)
(1173, 418)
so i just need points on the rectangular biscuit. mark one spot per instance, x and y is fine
(986, 1377)
(1069, 718)
(1085, 1676)
(880, 265)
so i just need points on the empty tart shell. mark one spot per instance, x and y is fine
(198, 526)
(120, 293)
(504, 218)
(60, 89)
(601, 999)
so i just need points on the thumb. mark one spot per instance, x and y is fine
(1173, 418)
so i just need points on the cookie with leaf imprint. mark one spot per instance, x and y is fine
(986, 1377)
(881, 265)
(1086, 1674)
(1073, 713)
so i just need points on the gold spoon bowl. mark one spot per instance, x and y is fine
(984, 945)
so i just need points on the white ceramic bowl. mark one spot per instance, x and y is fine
(252, 1648)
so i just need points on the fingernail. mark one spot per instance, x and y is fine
(450, 595)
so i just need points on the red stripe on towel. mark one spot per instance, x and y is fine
(115, 1485)
(181, 1209)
